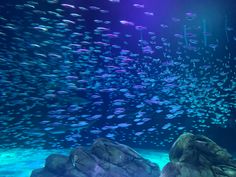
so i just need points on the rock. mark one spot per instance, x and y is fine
(198, 156)
(104, 159)
(185, 170)
(122, 156)
(179, 169)
(56, 163)
(85, 162)
(71, 171)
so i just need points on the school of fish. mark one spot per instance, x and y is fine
(70, 74)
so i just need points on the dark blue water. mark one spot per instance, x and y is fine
(139, 72)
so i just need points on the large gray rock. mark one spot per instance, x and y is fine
(104, 159)
(198, 156)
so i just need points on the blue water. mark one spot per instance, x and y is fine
(137, 72)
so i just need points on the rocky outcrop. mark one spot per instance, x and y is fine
(104, 159)
(198, 156)
(190, 156)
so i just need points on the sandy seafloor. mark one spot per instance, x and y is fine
(20, 162)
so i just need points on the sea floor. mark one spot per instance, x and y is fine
(20, 162)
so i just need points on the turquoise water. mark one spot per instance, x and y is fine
(20, 162)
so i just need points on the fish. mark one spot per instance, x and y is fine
(127, 23)
(73, 72)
